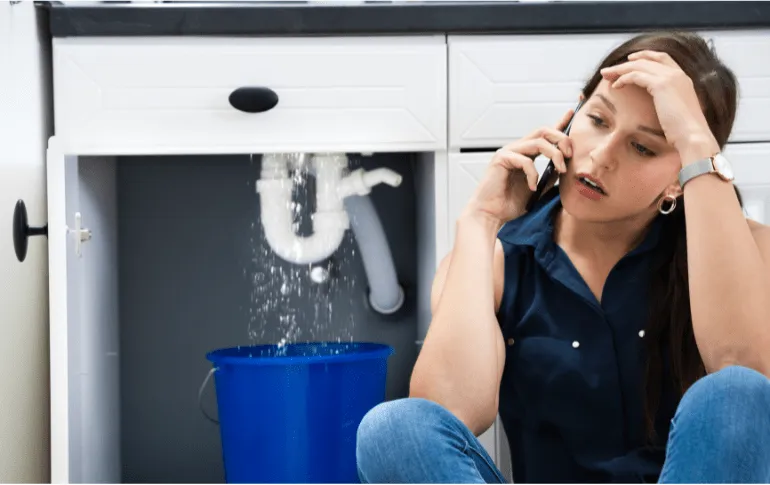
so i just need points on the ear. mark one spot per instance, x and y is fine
(674, 190)
(582, 96)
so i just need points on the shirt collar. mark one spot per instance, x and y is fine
(536, 229)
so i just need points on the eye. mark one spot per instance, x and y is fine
(596, 120)
(642, 150)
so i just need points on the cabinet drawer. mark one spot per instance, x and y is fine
(171, 94)
(503, 87)
(747, 54)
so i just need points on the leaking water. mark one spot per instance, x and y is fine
(286, 305)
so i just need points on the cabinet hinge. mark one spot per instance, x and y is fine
(80, 233)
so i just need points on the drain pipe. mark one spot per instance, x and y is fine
(386, 296)
(329, 221)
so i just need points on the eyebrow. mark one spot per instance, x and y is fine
(651, 131)
(608, 103)
(614, 110)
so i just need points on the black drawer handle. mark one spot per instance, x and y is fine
(22, 231)
(253, 99)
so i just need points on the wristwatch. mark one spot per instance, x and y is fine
(717, 164)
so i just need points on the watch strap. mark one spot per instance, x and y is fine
(695, 169)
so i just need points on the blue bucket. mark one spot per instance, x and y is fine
(289, 414)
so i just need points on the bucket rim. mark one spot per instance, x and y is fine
(235, 355)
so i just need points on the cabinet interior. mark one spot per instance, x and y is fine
(177, 266)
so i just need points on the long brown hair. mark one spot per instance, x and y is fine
(670, 321)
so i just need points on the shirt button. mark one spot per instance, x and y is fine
(510, 341)
(575, 344)
(641, 333)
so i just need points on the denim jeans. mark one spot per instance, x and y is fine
(720, 434)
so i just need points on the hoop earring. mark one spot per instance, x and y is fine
(671, 206)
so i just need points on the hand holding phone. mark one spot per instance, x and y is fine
(550, 168)
(506, 188)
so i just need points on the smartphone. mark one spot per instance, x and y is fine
(549, 169)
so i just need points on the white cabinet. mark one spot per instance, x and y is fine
(746, 54)
(415, 96)
(85, 412)
(164, 107)
(752, 177)
(503, 87)
(750, 161)
(464, 172)
(360, 93)
(24, 128)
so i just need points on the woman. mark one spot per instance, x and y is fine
(623, 304)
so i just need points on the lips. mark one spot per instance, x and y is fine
(592, 183)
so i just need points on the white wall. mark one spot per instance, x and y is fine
(24, 395)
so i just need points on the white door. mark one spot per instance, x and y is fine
(752, 177)
(24, 395)
(465, 171)
(85, 407)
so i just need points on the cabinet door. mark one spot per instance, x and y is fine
(85, 434)
(465, 171)
(751, 163)
(746, 54)
(24, 289)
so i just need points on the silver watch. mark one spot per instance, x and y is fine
(717, 164)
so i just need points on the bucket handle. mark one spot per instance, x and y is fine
(200, 396)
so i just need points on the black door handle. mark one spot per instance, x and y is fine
(22, 231)
(253, 99)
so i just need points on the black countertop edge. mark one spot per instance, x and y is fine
(405, 18)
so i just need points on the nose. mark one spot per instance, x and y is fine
(604, 154)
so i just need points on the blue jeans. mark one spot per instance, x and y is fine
(720, 433)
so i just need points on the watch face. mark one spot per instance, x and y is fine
(723, 167)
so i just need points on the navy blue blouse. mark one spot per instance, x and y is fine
(572, 397)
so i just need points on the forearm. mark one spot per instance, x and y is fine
(458, 366)
(728, 279)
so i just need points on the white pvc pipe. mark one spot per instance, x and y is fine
(385, 294)
(329, 222)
